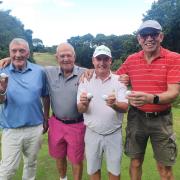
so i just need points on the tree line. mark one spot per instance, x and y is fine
(166, 12)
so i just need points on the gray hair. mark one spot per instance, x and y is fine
(67, 45)
(19, 41)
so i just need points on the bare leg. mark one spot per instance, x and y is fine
(77, 170)
(165, 172)
(61, 164)
(113, 177)
(136, 168)
(96, 175)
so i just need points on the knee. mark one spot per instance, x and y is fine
(136, 163)
(165, 171)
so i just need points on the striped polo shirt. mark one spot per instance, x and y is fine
(152, 78)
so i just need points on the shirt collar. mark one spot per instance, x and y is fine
(161, 54)
(106, 79)
(74, 72)
(27, 68)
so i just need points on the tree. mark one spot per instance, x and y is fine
(120, 47)
(38, 45)
(84, 49)
(11, 27)
(167, 13)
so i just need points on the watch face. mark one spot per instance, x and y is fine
(156, 99)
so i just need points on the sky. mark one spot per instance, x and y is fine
(55, 21)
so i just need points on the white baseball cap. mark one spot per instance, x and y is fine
(102, 50)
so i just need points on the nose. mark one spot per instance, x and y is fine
(17, 54)
(149, 37)
(65, 58)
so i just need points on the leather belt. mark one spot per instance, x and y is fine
(68, 120)
(152, 114)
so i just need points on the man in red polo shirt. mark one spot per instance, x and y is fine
(154, 74)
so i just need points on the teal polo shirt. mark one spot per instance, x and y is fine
(23, 105)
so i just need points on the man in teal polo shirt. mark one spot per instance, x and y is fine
(22, 114)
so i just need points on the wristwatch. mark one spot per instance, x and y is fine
(156, 99)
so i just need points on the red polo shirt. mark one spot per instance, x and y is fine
(152, 78)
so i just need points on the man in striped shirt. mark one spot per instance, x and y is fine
(154, 75)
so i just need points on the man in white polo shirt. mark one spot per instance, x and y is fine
(103, 102)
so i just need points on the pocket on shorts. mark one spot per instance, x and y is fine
(172, 147)
(168, 119)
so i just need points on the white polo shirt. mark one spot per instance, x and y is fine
(100, 117)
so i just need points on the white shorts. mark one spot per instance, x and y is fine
(110, 145)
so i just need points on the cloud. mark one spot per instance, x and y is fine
(16, 3)
(63, 3)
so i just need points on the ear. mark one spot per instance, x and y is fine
(138, 38)
(74, 58)
(93, 59)
(28, 55)
(110, 61)
(161, 36)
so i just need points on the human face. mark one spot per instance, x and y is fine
(66, 58)
(19, 53)
(150, 42)
(102, 64)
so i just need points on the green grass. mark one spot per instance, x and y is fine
(45, 59)
(46, 169)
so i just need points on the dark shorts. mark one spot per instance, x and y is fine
(160, 132)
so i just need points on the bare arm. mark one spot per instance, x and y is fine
(124, 78)
(46, 105)
(170, 95)
(86, 75)
(141, 98)
(4, 62)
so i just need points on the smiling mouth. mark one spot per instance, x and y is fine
(19, 59)
(66, 63)
(149, 44)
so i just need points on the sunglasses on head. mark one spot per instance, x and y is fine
(152, 35)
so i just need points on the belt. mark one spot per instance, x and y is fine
(152, 114)
(69, 121)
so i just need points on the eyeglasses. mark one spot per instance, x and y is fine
(152, 35)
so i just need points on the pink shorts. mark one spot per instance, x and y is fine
(66, 140)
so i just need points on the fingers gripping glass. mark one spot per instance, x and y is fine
(152, 35)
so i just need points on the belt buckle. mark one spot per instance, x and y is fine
(155, 114)
(151, 114)
(146, 114)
